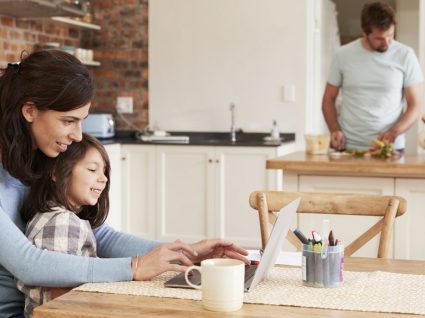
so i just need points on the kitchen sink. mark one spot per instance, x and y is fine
(217, 139)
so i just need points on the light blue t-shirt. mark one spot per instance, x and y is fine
(36, 267)
(372, 90)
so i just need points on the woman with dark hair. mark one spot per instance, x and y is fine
(64, 204)
(43, 100)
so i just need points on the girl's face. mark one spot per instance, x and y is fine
(53, 131)
(87, 179)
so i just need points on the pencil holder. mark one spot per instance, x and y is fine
(324, 268)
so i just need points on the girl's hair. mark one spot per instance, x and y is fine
(45, 194)
(52, 80)
(377, 14)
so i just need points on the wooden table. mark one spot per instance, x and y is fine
(96, 305)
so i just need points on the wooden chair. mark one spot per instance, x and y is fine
(387, 207)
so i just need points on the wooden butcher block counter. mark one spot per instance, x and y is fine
(403, 176)
(408, 165)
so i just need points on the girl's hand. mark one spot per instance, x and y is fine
(168, 257)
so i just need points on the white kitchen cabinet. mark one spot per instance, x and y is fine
(114, 218)
(138, 190)
(203, 191)
(238, 172)
(409, 227)
(345, 227)
(184, 193)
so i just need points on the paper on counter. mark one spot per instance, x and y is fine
(284, 258)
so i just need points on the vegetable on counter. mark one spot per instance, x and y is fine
(379, 148)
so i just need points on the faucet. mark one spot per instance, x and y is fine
(232, 123)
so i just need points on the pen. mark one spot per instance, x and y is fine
(310, 247)
(319, 248)
(300, 236)
(316, 237)
(331, 239)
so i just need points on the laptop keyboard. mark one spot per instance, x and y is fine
(250, 271)
(195, 277)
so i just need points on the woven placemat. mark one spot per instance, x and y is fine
(362, 291)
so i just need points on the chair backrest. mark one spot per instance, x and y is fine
(387, 207)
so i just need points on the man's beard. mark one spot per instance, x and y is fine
(377, 49)
(382, 50)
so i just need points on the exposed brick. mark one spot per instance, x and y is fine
(7, 21)
(121, 46)
(15, 35)
(23, 24)
(74, 33)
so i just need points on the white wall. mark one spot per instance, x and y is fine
(205, 54)
(409, 32)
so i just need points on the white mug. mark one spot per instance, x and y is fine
(222, 283)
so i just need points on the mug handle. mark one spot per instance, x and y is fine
(186, 276)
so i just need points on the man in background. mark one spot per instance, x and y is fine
(375, 74)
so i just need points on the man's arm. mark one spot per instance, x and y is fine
(330, 114)
(409, 117)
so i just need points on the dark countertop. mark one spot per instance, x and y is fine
(243, 139)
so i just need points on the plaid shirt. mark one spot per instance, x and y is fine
(61, 231)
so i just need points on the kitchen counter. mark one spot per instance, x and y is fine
(403, 176)
(206, 139)
(408, 165)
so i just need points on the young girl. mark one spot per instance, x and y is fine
(64, 204)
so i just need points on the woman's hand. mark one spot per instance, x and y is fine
(168, 257)
(218, 248)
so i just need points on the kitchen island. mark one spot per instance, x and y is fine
(403, 176)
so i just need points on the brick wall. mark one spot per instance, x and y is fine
(122, 48)
(17, 35)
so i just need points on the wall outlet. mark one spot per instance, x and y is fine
(125, 104)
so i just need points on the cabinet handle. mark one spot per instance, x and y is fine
(217, 161)
(123, 158)
(210, 160)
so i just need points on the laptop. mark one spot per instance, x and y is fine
(254, 274)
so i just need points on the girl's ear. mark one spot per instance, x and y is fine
(29, 111)
(53, 175)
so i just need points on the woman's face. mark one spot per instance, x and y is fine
(88, 179)
(53, 131)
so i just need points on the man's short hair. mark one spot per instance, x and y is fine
(377, 14)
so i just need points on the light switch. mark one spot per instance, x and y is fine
(288, 93)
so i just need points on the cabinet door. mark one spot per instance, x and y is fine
(138, 190)
(240, 171)
(410, 226)
(185, 185)
(115, 212)
(346, 227)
